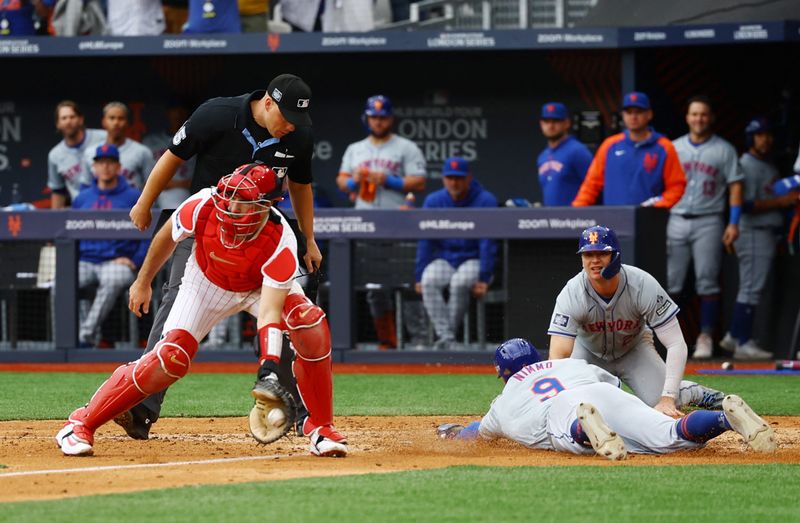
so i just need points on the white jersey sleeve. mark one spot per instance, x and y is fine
(184, 219)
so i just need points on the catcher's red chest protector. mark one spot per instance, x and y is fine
(239, 269)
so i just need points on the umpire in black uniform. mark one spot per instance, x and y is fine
(272, 126)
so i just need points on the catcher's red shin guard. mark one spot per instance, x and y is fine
(132, 382)
(311, 340)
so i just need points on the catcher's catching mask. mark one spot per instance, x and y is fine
(243, 200)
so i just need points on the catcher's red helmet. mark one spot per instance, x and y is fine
(243, 199)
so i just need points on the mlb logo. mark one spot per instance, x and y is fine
(561, 320)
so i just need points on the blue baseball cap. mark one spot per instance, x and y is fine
(455, 166)
(107, 150)
(554, 111)
(636, 99)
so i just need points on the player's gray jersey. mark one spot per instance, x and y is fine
(759, 177)
(396, 157)
(710, 167)
(135, 158)
(610, 329)
(520, 411)
(65, 165)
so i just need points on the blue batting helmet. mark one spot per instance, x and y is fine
(512, 355)
(600, 238)
(755, 126)
(378, 105)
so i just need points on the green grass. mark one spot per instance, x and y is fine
(54, 396)
(728, 493)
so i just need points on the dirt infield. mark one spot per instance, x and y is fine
(195, 451)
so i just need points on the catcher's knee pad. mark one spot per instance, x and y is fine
(308, 328)
(166, 363)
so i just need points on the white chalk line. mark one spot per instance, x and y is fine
(139, 466)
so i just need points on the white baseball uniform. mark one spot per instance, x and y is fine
(616, 334)
(201, 303)
(537, 409)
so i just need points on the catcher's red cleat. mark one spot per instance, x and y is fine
(74, 439)
(328, 442)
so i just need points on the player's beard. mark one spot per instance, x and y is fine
(382, 134)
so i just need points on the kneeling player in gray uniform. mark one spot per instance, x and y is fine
(557, 405)
(605, 314)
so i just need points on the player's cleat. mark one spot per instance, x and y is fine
(605, 441)
(75, 440)
(449, 430)
(711, 400)
(327, 442)
(750, 351)
(704, 347)
(756, 432)
(136, 426)
(729, 343)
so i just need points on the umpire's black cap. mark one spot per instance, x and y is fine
(293, 97)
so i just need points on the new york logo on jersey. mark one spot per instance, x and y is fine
(650, 161)
(551, 165)
(561, 320)
(612, 326)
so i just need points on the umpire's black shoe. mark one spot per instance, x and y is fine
(136, 423)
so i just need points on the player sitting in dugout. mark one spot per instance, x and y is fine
(569, 405)
(244, 259)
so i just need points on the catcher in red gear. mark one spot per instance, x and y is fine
(244, 259)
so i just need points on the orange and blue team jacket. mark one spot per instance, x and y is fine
(631, 173)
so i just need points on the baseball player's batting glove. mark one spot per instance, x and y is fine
(275, 410)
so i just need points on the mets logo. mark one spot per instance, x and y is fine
(550, 108)
(593, 237)
(650, 161)
(14, 224)
(634, 97)
(378, 105)
(273, 41)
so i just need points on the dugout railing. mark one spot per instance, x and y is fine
(537, 244)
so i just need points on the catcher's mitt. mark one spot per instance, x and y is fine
(274, 412)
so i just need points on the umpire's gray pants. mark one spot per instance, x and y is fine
(755, 249)
(447, 317)
(699, 240)
(111, 279)
(643, 370)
